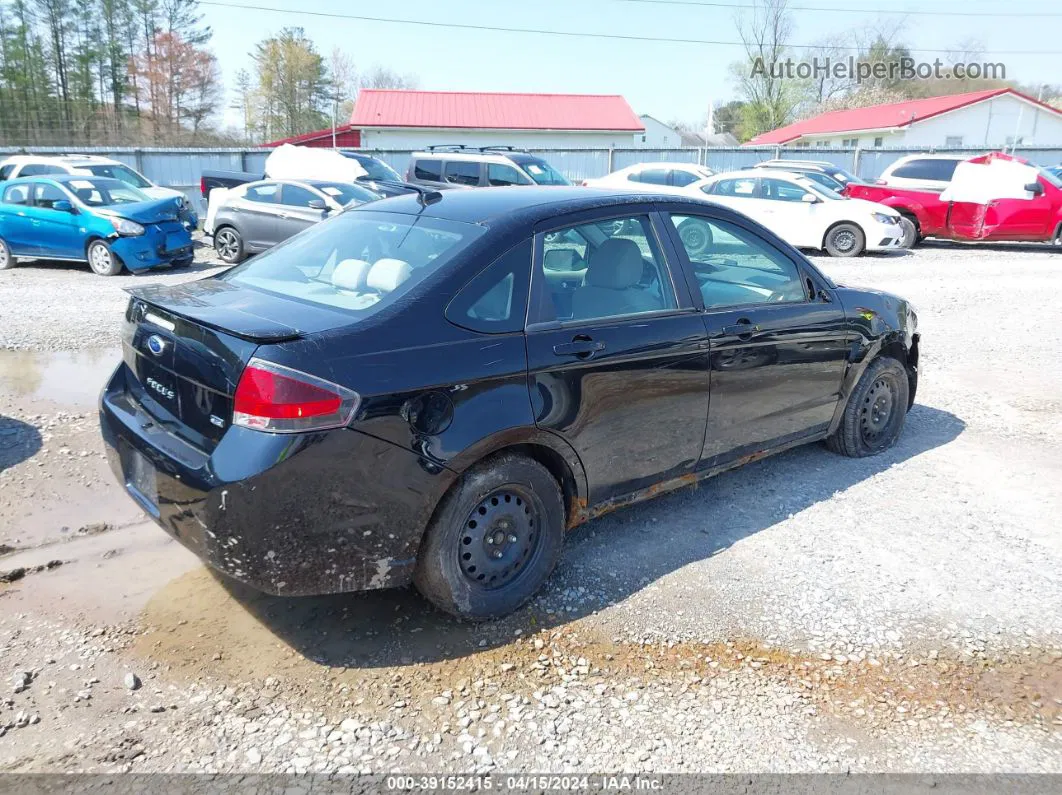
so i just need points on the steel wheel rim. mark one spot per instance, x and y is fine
(875, 415)
(844, 240)
(226, 245)
(500, 538)
(99, 258)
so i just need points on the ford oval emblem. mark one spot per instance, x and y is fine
(156, 344)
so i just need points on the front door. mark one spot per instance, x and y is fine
(617, 360)
(790, 217)
(778, 342)
(257, 212)
(57, 232)
(295, 212)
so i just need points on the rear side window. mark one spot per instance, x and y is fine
(495, 301)
(462, 173)
(264, 194)
(17, 194)
(37, 169)
(939, 170)
(430, 170)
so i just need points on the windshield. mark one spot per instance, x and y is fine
(344, 194)
(357, 261)
(124, 173)
(104, 192)
(1052, 175)
(541, 171)
(821, 190)
(843, 176)
(376, 169)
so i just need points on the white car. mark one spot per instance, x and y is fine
(652, 176)
(804, 213)
(921, 172)
(36, 165)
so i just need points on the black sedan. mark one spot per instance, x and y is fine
(435, 388)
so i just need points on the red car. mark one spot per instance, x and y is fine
(990, 197)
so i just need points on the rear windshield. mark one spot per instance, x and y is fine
(104, 192)
(357, 261)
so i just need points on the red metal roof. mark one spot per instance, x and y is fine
(346, 136)
(490, 111)
(877, 117)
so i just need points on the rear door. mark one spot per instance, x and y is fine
(778, 340)
(256, 214)
(57, 232)
(15, 225)
(294, 212)
(618, 366)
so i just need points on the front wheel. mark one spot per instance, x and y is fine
(229, 245)
(7, 259)
(102, 260)
(910, 232)
(876, 411)
(845, 240)
(494, 539)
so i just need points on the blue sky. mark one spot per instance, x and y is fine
(666, 80)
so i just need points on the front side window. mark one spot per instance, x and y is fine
(124, 173)
(734, 267)
(622, 274)
(263, 194)
(297, 196)
(357, 261)
(7, 171)
(429, 170)
(681, 179)
(500, 175)
(462, 173)
(45, 195)
(781, 191)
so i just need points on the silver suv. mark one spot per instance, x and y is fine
(456, 166)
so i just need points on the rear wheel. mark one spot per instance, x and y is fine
(494, 539)
(229, 245)
(910, 232)
(876, 411)
(845, 240)
(102, 260)
(7, 259)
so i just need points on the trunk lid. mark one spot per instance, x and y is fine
(186, 346)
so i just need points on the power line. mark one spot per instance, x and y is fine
(835, 10)
(566, 33)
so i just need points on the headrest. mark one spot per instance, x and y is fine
(387, 274)
(350, 274)
(560, 259)
(616, 264)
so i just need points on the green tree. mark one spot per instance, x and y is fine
(293, 89)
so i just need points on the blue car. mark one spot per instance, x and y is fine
(99, 220)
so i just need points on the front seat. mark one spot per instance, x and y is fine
(610, 287)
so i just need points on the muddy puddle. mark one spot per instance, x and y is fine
(70, 378)
(388, 645)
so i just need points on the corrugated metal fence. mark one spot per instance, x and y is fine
(180, 168)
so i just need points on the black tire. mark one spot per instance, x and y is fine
(101, 259)
(910, 232)
(7, 259)
(1057, 241)
(228, 243)
(845, 240)
(876, 411)
(696, 237)
(508, 507)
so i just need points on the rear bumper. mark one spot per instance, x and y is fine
(286, 514)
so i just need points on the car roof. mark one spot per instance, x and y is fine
(531, 204)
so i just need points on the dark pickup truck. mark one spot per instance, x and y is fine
(379, 176)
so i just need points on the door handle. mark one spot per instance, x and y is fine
(581, 346)
(743, 329)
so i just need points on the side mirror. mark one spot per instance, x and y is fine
(63, 206)
(810, 198)
(318, 204)
(1035, 188)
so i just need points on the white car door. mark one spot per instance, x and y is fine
(791, 216)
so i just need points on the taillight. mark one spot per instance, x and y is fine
(271, 397)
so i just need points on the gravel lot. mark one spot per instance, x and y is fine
(805, 613)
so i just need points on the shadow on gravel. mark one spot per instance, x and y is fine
(607, 559)
(18, 441)
(954, 245)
